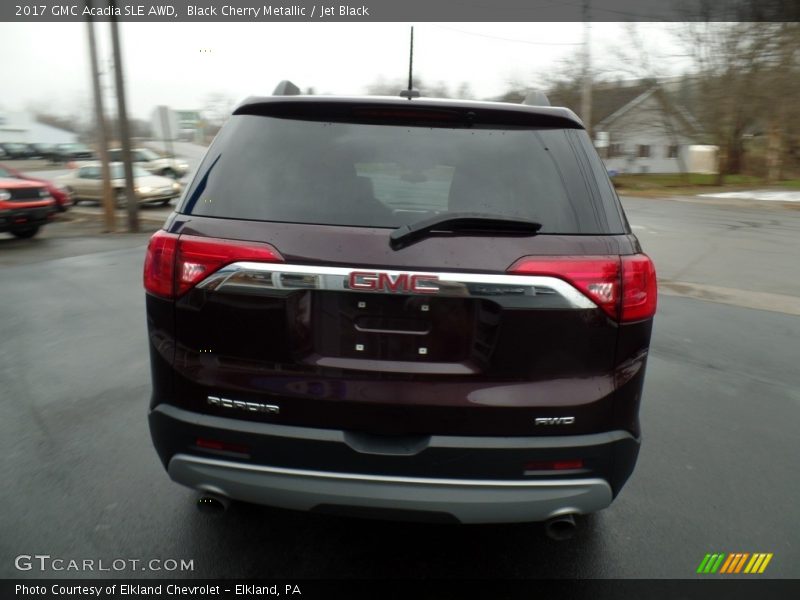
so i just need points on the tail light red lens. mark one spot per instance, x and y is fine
(623, 287)
(159, 264)
(639, 288)
(176, 263)
(597, 277)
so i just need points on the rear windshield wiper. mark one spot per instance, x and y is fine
(460, 222)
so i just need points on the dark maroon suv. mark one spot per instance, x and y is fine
(398, 308)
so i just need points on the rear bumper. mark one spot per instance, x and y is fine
(466, 501)
(158, 197)
(469, 479)
(24, 217)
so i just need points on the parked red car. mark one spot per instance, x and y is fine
(24, 207)
(61, 196)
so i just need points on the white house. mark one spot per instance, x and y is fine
(651, 133)
(637, 126)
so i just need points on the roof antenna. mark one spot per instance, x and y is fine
(410, 92)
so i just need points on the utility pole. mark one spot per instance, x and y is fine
(102, 133)
(167, 131)
(586, 95)
(124, 132)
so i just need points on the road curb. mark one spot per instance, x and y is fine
(781, 303)
(121, 215)
(730, 202)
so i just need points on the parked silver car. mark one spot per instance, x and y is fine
(86, 183)
(153, 162)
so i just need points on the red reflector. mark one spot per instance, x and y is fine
(596, 276)
(554, 465)
(639, 288)
(218, 445)
(175, 263)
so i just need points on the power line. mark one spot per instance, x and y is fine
(635, 16)
(504, 39)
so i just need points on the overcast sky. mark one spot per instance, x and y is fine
(180, 64)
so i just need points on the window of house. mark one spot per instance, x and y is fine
(672, 151)
(615, 150)
(642, 151)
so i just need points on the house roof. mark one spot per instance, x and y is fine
(606, 99)
(609, 101)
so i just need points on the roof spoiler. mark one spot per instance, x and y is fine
(536, 98)
(286, 88)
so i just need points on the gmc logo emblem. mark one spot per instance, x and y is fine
(384, 282)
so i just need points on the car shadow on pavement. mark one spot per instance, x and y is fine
(273, 543)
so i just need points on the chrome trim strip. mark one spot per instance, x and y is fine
(512, 290)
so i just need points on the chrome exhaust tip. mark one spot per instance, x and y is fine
(562, 527)
(212, 504)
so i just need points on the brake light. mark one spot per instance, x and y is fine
(639, 288)
(597, 277)
(176, 263)
(159, 264)
(623, 287)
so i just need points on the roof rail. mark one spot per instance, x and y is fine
(536, 98)
(286, 88)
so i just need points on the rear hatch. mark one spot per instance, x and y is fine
(295, 306)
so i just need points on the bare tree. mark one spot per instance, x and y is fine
(665, 113)
(392, 87)
(746, 80)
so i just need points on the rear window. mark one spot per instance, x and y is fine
(337, 173)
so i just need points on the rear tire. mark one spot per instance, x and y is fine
(24, 233)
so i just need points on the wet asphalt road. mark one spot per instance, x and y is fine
(718, 471)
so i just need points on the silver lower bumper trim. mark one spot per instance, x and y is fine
(469, 501)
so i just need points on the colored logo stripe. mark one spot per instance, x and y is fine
(728, 562)
(734, 563)
(710, 563)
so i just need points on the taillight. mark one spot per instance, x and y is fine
(176, 263)
(597, 277)
(639, 288)
(623, 287)
(199, 257)
(159, 264)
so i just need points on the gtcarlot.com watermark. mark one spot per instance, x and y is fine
(44, 563)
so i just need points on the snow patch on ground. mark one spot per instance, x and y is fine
(767, 195)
